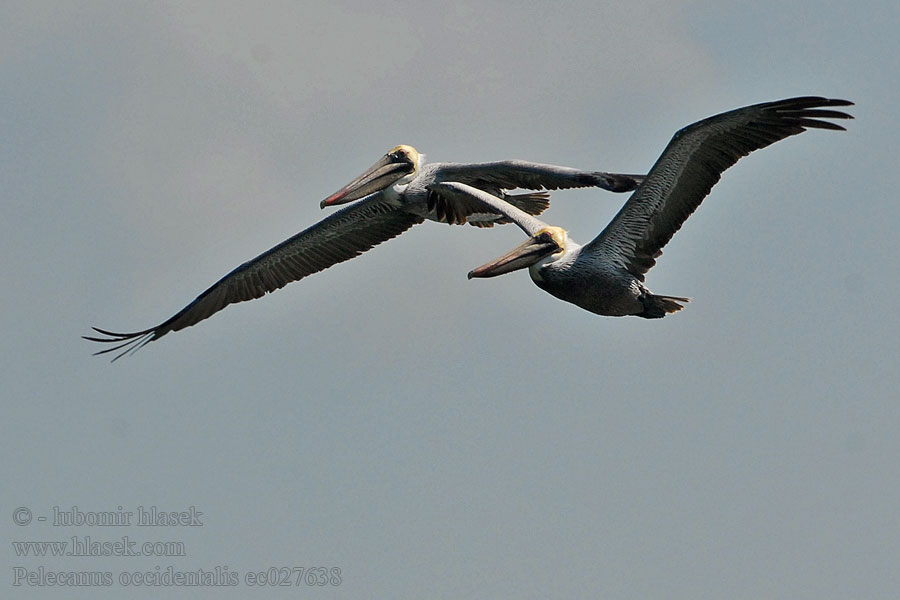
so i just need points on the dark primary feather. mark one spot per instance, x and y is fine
(689, 167)
(339, 237)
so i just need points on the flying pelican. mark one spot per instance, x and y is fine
(606, 276)
(401, 176)
(393, 196)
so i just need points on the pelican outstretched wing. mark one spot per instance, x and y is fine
(512, 174)
(689, 167)
(341, 236)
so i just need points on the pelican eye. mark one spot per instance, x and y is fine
(545, 237)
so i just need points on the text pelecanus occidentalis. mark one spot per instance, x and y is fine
(392, 198)
(606, 276)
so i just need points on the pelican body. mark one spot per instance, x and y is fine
(393, 195)
(606, 276)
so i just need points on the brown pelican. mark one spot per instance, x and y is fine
(393, 196)
(401, 177)
(606, 276)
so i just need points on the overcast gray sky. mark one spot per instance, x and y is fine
(434, 437)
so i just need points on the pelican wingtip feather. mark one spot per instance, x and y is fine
(131, 342)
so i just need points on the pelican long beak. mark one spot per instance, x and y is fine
(519, 257)
(386, 171)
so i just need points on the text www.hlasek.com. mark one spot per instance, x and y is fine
(87, 546)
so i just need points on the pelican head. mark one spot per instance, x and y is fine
(398, 163)
(545, 246)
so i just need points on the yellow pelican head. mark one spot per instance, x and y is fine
(399, 163)
(546, 245)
